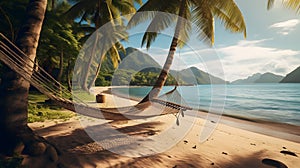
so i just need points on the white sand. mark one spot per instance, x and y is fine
(227, 147)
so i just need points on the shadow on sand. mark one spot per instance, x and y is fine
(77, 149)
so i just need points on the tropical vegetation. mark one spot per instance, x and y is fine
(54, 42)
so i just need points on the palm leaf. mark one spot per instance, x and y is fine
(147, 12)
(185, 27)
(293, 4)
(159, 23)
(203, 18)
(80, 8)
(234, 14)
(270, 4)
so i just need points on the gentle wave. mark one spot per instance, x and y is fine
(272, 102)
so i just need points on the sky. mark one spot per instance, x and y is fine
(272, 44)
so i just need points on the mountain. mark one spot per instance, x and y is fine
(292, 77)
(193, 76)
(137, 60)
(250, 79)
(139, 68)
(269, 78)
(260, 78)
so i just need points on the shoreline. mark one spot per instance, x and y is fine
(227, 146)
(279, 130)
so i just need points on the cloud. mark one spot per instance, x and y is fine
(234, 62)
(285, 27)
(249, 57)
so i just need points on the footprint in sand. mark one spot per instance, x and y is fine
(273, 163)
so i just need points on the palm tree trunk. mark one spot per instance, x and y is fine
(69, 75)
(84, 82)
(16, 136)
(96, 73)
(160, 82)
(61, 68)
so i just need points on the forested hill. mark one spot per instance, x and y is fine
(292, 77)
(260, 78)
(138, 68)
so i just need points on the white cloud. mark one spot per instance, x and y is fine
(243, 60)
(285, 27)
(236, 61)
(249, 57)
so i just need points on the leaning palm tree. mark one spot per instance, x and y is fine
(199, 12)
(292, 4)
(99, 13)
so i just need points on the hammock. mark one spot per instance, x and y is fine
(19, 62)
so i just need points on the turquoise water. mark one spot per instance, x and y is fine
(272, 102)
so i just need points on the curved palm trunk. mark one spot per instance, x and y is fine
(69, 71)
(61, 69)
(110, 18)
(96, 73)
(16, 136)
(84, 82)
(160, 82)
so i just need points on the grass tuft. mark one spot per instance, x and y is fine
(40, 109)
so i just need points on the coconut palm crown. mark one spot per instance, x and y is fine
(201, 13)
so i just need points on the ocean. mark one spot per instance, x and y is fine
(270, 102)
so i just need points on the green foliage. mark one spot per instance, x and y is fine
(12, 15)
(104, 79)
(149, 79)
(38, 113)
(200, 13)
(59, 43)
(292, 77)
(39, 110)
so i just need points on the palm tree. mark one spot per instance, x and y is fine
(199, 12)
(101, 12)
(59, 41)
(292, 4)
(11, 17)
(16, 136)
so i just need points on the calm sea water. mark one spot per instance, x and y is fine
(273, 102)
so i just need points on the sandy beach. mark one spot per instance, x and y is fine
(234, 143)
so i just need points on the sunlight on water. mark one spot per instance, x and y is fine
(273, 102)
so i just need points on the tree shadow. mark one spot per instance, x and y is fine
(79, 150)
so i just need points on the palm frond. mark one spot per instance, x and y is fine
(185, 27)
(114, 56)
(203, 18)
(147, 12)
(125, 7)
(140, 2)
(270, 4)
(293, 4)
(228, 23)
(159, 23)
(230, 8)
(79, 8)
